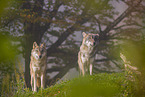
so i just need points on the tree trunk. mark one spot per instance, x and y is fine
(28, 48)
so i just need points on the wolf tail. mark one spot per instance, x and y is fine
(38, 82)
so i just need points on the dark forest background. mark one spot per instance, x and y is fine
(59, 23)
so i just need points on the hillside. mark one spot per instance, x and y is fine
(106, 85)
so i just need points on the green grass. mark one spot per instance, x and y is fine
(99, 85)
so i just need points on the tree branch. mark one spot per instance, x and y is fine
(102, 71)
(99, 25)
(81, 20)
(51, 15)
(54, 69)
(71, 63)
(102, 60)
(64, 35)
(116, 64)
(118, 20)
(61, 73)
(119, 27)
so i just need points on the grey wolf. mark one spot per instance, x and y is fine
(38, 66)
(86, 54)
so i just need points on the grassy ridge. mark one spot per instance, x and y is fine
(106, 85)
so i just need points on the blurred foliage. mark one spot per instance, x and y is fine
(7, 61)
(13, 85)
(3, 5)
(7, 55)
(7, 52)
(105, 85)
(134, 52)
(7, 49)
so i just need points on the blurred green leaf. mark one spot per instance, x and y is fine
(3, 5)
(6, 49)
(135, 53)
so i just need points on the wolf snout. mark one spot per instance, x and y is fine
(40, 56)
(94, 43)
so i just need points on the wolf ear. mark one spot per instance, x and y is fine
(34, 45)
(97, 34)
(84, 34)
(43, 45)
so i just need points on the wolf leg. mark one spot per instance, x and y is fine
(82, 71)
(42, 81)
(32, 82)
(35, 82)
(91, 67)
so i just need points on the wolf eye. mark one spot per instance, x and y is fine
(36, 50)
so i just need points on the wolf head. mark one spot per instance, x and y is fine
(90, 40)
(38, 52)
